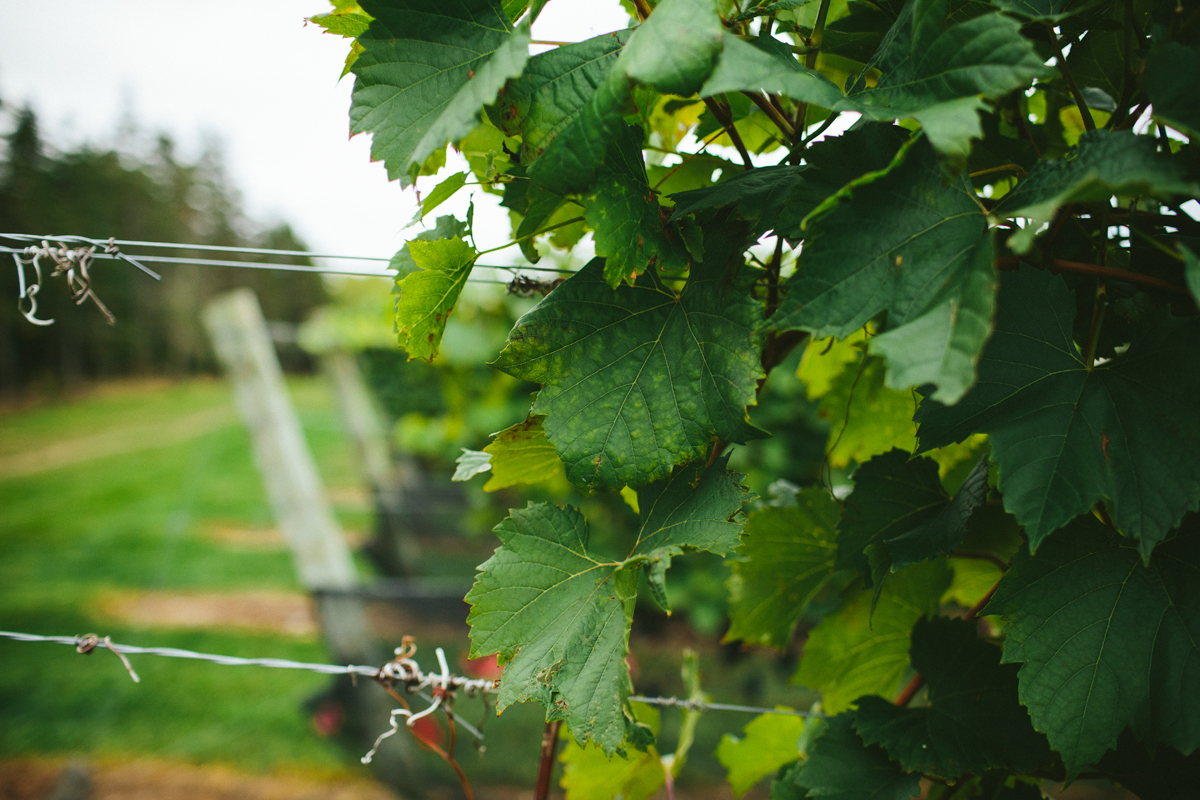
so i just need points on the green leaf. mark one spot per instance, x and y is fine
(1105, 642)
(907, 243)
(428, 296)
(840, 767)
(768, 742)
(1171, 68)
(866, 418)
(347, 22)
(447, 227)
(470, 464)
(693, 509)
(441, 193)
(674, 50)
(543, 102)
(1049, 10)
(932, 72)
(899, 514)
(639, 379)
(425, 71)
(852, 652)
(1191, 272)
(1104, 163)
(972, 722)
(745, 67)
(1160, 774)
(558, 615)
(522, 454)
(588, 774)
(628, 222)
(1065, 437)
(785, 557)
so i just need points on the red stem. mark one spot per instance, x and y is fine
(546, 765)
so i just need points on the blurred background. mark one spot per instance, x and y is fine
(130, 500)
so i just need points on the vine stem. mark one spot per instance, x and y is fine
(918, 681)
(1011, 262)
(813, 43)
(1084, 111)
(727, 123)
(546, 229)
(546, 765)
(771, 111)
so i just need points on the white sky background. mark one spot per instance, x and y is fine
(249, 73)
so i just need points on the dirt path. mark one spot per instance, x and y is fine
(115, 442)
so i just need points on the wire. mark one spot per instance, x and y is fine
(70, 238)
(403, 670)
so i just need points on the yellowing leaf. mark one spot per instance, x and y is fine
(428, 296)
(769, 741)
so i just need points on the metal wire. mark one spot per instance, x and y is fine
(402, 670)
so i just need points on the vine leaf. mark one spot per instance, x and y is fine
(768, 742)
(446, 227)
(899, 514)
(866, 418)
(522, 454)
(558, 615)
(743, 66)
(900, 241)
(589, 774)
(785, 557)
(1104, 163)
(1171, 67)
(441, 193)
(425, 70)
(546, 99)
(673, 51)
(852, 652)
(428, 296)
(639, 379)
(841, 767)
(628, 223)
(1048, 10)
(1065, 437)
(1133, 631)
(939, 74)
(470, 464)
(1191, 272)
(973, 721)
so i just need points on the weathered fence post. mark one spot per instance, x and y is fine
(297, 496)
(388, 479)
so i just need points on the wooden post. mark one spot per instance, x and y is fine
(388, 480)
(297, 496)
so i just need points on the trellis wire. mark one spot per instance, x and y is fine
(403, 670)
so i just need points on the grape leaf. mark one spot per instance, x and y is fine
(785, 557)
(866, 418)
(441, 193)
(937, 74)
(905, 242)
(588, 774)
(1065, 437)
(1191, 272)
(769, 741)
(743, 66)
(1105, 642)
(973, 721)
(628, 222)
(558, 615)
(1049, 10)
(639, 379)
(446, 227)
(425, 70)
(1104, 163)
(674, 50)
(1161, 774)
(470, 464)
(428, 296)
(522, 454)
(1171, 67)
(899, 514)
(840, 767)
(852, 652)
(556, 85)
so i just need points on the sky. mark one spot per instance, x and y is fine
(250, 74)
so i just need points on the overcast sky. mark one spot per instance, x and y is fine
(248, 72)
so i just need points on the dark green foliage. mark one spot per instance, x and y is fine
(1017, 255)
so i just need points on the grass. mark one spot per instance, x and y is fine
(136, 520)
